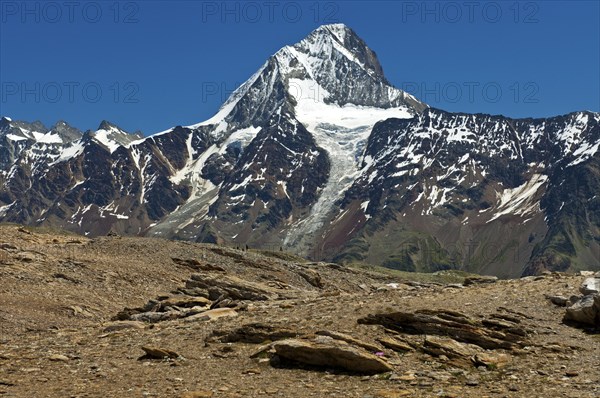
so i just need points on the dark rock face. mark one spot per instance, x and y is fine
(278, 175)
(471, 185)
(318, 154)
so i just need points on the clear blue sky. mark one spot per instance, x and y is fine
(164, 63)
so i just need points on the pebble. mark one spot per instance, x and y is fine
(197, 394)
(472, 382)
(58, 358)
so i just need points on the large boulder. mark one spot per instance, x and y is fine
(325, 351)
(590, 286)
(585, 311)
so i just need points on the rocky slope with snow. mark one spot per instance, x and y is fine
(319, 154)
(477, 192)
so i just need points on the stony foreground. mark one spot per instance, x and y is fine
(131, 317)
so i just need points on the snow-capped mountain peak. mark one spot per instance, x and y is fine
(112, 136)
(319, 154)
(326, 40)
(330, 62)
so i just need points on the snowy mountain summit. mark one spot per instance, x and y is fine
(319, 154)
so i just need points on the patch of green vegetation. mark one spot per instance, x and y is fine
(400, 263)
(400, 249)
(354, 251)
(561, 242)
(488, 252)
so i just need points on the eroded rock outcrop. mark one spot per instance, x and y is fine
(489, 333)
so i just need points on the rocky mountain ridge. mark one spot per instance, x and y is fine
(319, 154)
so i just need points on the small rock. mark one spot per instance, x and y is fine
(26, 257)
(472, 382)
(491, 360)
(58, 358)
(454, 286)
(312, 277)
(406, 377)
(475, 280)
(197, 394)
(262, 350)
(571, 373)
(560, 301)
(158, 353)
(392, 393)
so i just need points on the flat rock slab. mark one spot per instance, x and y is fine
(185, 301)
(325, 351)
(212, 314)
(491, 359)
(560, 301)
(476, 280)
(158, 353)
(350, 340)
(395, 344)
(449, 347)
